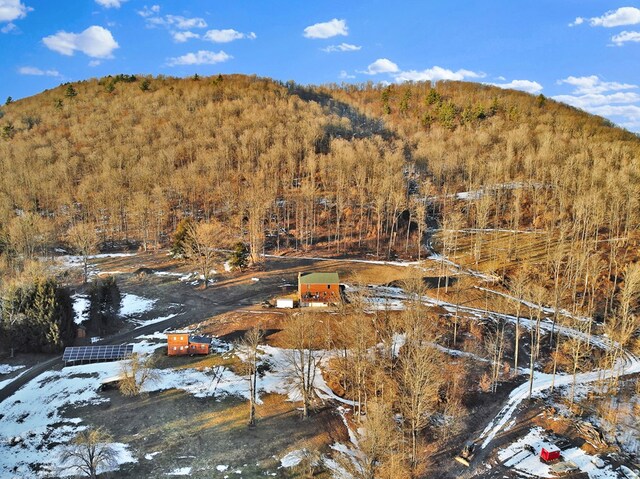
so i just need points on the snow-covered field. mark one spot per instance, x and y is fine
(132, 307)
(34, 417)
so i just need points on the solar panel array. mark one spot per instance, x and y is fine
(97, 353)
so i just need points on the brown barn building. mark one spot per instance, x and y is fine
(318, 289)
(179, 344)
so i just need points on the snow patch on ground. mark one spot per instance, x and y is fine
(181, 471)
(542, 382)
(521, 460)
(195, 278)
(74, 261)
(168, 274)
(81, 306)
(146, 322)
(10, 380)
(7, 369)
(71, 262)
(342, 260)
(133, 304)
(293, 458)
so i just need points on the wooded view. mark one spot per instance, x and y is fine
(529, 208)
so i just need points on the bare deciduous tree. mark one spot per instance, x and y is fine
(302, 337)
(200, 246)
(248, 347)
(84, 239)
(419, 378)
(89, 452)
(135, 373)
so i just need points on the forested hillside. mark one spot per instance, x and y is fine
(344, 168)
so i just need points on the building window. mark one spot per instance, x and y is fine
(328, 286)
(174, 348)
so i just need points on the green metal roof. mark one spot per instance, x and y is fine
(318, 278)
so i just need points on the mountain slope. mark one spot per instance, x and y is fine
(133, 155)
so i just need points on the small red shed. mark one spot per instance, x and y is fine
(199, 344)
(550, 453)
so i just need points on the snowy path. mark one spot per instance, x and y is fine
(460, 269)
(398, 294)
(529, 304)
(348, 260)
(486, 230)
(4, 382)
(629, 365)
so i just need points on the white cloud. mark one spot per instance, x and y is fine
(178, 26)
(94, 63)
(202, 57)
(182, 37)
(624, 37)
(227, 35)
(437, 73)
(152, 19)
(9, 27)
(524, 85)
(149, 11)
(630, 113)
(608, 99)
(614, 18)
(95, 42)
(328, 29)
(381, 65)
(38, 72)
(595, 99)
(11, 10)
(343, 47)
(185, 23)
(110, 3)
(345, 76)
(577, 21)
(593, 84)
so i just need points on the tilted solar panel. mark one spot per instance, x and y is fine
(97, 353)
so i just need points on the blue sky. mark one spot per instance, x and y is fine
(583, 52)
